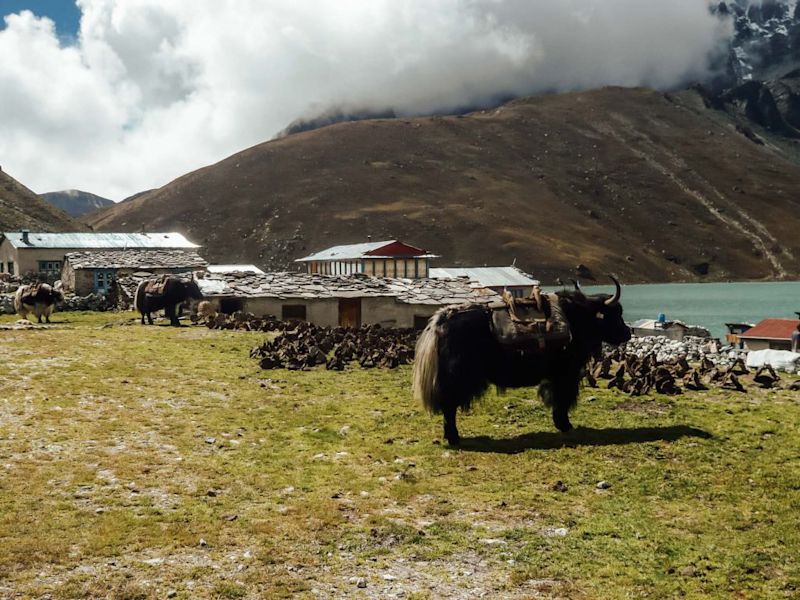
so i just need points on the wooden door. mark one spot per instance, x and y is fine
(350, 312)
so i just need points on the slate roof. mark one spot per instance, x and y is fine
(233, 269)
(356, 251)
(314, 286)
(486, 276)
(771, 329)
(99, 240)
(135, 259)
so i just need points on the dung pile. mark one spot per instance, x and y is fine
(241, 321)
(637, 374)
(302, 346)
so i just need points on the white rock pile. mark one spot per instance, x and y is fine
(7, 304)
(691, 348)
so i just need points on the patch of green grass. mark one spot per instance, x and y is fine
(136, 460)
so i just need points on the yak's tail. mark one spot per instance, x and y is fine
(18, 300)
(136, 301)
(426, 366)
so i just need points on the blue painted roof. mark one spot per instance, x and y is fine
(97, 241)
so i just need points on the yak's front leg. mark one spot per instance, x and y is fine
(173, 318)
(560, 394)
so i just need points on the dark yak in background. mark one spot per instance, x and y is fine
(175, 291)
(458, 356)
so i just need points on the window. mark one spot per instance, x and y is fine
(50, 268)
(103, 279)
(293, 312)
(2, 266)
(516, 293)
(11, 267)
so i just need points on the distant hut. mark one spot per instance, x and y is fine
(517, 282)
(390, 258)
(770, 334)
(94, 272)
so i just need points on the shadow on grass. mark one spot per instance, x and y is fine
(582, 436)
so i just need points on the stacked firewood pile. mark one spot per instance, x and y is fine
(302, 346)
(638, 375)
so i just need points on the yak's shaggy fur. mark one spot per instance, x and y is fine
(39, 300)
(176, 291)
(458, 357)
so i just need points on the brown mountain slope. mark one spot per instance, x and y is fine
(20, 208)
(650, 186)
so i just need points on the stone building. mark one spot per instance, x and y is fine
(95, 271)
(42, 254)
(329, 300)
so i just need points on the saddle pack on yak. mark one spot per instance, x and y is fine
(156, 287)
(534, 323)
(32, 293)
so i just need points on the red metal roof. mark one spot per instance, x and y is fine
(772, 329)
(396, 248)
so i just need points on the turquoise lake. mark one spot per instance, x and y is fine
(709, 304)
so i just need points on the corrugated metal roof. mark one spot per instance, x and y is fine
(354, 251)
(486, 276)
(98, 241)
(233, 269)
(772, 329)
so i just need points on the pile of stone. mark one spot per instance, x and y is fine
(638, 373)
(7, 304)
(690, 348)
(92, 302)
(302, 346)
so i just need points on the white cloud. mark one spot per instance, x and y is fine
(155, 88)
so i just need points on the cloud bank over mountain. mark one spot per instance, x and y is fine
(155, 88)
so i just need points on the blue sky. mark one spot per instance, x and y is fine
(64, 13)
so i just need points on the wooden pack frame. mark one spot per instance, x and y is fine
(534, 323)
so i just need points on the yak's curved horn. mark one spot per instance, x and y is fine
(577, 285)
(617, 294)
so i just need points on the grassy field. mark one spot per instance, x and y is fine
(152, 462)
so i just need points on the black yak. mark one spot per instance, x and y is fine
(458, 356)
(166, 294)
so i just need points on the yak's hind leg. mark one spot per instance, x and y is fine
(450, 363)
(560, 394)
(450, 429)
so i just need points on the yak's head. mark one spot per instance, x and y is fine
(608, 315)
(596, 318)
(192, 290)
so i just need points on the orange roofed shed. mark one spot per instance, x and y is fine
(770, 334)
